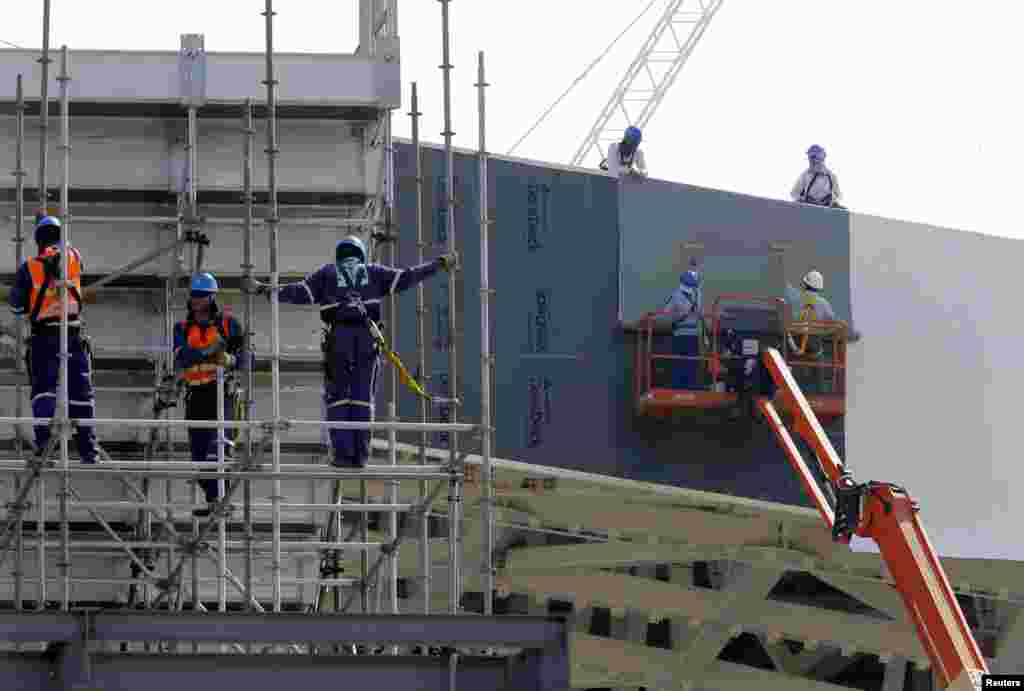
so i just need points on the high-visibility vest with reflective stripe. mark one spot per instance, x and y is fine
(51, 307)
(200, 337)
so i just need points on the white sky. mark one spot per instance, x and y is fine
(913, 103)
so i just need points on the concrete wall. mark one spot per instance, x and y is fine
(935, 384)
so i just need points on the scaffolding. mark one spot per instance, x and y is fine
(158, 577)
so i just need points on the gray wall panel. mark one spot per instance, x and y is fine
(563, 378)
(660, 220)
(935, 384)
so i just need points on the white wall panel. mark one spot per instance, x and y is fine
(108, 75)
(136, 153)
(935, 384)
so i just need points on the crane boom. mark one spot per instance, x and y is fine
(888, 515)
(695, 14)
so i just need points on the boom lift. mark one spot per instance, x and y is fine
(888, 515)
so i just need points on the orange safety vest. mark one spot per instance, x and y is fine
(51, 307)
(200, 337)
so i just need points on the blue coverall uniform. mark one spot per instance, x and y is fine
(352, 358)
(43, 356)
(685, 303)
(194, 344)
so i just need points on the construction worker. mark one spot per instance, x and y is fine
(626, 157)
(205, 340)
(36, 297)
(810, 305)
(684, 306)
(350, 290)
(817, 185)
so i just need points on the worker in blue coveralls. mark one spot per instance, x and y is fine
(685, 306)
(36, 297)
(351, 289)
(205, 340)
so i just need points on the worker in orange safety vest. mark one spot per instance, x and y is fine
(36, 298)
(205, 340)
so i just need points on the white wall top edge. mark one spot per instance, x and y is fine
(341, 79)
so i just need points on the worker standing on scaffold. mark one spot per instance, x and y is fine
(351, 290)
(36, 296)
(205, 340)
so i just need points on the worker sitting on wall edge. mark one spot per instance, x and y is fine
(817, 185)
(36, 297)
(350, 291)
(626, 157)
(205, 340)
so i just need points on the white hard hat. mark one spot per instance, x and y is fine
(814, 280)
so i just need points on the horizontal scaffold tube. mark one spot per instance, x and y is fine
(240, 424)
(326, 222)
(331, 474)
(238, 546)
(184, 506)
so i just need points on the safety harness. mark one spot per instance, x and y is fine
(356, 300)
(51, 268)
(827, 201)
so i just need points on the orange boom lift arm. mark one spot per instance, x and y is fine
(888, 515)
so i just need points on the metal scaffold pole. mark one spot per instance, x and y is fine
(44, 106)
(44, 136)
(250, 335)
(275, 313)
(389, 210)
(19, 334)
(64, 416)
(421, 349)
(487, 505)
(454, 499)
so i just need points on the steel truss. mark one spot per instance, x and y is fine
(158, 561)
(651, 74)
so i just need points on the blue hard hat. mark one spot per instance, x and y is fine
(47, 231)
(632, 134)
(203, 284)
(690, 279)
(347, 245)
(816, 152)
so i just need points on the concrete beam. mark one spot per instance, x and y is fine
(895, 674)
(743, 586)
(604, 662)
(776, 619)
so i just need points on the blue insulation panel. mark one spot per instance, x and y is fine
(571, 254)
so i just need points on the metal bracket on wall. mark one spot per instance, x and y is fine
(192, 70)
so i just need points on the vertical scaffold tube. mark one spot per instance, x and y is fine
(44, 107)
(250, 334)
(192, 140)
(389, 210)
(44, 143)
(275, 364)
(421, 351)
(65, 403)
(222, 539)
(487, 505)
(454, 490)
(19, 332)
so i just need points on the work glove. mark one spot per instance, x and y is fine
(222, 359)
(448, 261)
(256, 288)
